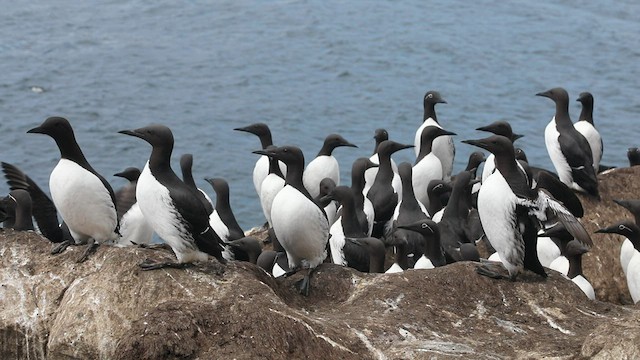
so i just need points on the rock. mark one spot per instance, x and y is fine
(618, 339)
(106, 308)
(602, 264)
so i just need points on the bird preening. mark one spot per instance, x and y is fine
(391, 218)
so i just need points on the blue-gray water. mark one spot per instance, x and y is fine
(306, 68)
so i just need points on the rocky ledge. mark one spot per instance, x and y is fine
(107, 308)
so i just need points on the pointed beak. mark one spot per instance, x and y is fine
(546, 94)
(607, 230)
(36, 130)
(516, 137)
(477, 143)
(242, 129)
(131, 133)
(264, 152)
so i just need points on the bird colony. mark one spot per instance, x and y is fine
(391, 218)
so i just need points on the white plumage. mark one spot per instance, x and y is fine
(442, 147)
(323, 166)
(135, 228)
(84, 203)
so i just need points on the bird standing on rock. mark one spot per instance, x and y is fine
(299, 223)
(325, 165)
(83, 197)
(585, 126)
(569, 151)
(443, 147)
(172, 207)
(510, 211)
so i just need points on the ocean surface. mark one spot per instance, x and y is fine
(307, 69)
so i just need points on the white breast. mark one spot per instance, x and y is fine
(423, 263)
(585, 286)
(261, 170)
(395, 268)
(84, 202)
(370, 214)
(593, 138)
(301, 228)
(547, 251)
(633, 277)
(134, 228)
(319, 168)
(429, 168)
(561, 265)
(489, 167)
(157, 207)
(626, 253)
(336, 242)
(557, 158)
(496, 207)
(218, 226)
(370, 174)
(442, 147)
(271, 185)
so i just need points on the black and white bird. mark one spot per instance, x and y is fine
(627, 250)
(633, 154)
(569, 151)
(408, 211)
(586, 127)
(436, 190)
(43, 209)
(18, 202)
(172, 207)
(379, 136)
(222, 219)
(428, 165)
(329, 206)
(432, 253)
(443, 147)
(453, 225)
(84, 199)
(299, 223)
(186, 167)
(350, 245)
(510, 212)
(629, 260)
(382, 194)
(135, 229)
(324, 165)
(364, 207)
(498, 128)
(261, 168)
(271, 185)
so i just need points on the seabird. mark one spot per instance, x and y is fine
(510, 211)
(382, 194)
(43, 209)
(329, 206)
(627, 250)
(271, 185)
(299, 223)
(19, 202)
(568, 149)
(585, 126)
(442, 147)
(379, 136)
(186, 165)
(246, 249)
(435, 191)
(572, 254)
(633, 154)
(498, 128)
(261, 169)
(350, 245)
(222, 220)
(428, 166)
(408, 211)
(364, 207)
(324, 165)
(172, 207)
(135, 229)
(631, 231)
(83, 197)
(432, 253)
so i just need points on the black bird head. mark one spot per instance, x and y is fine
(388, 147)
(501, 128)
(432, 98)
(287, 154)
(58, 128)
(258, 129)
(496, 144)
(130, 173)
(557, 94)
(425, 227)
(585, 98)
(626, 228)
(157, 135)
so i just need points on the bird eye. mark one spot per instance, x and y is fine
(424, 226)
(429, 96)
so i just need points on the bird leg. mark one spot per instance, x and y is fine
(304, 285)
(92, 245)
(162, 246)
(485, 270)
(61, 247)
(151, 265)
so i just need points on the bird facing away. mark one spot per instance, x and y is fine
(585, 126)
(300, 224)
(172, 207)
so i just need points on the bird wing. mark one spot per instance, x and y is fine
(43, 209)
